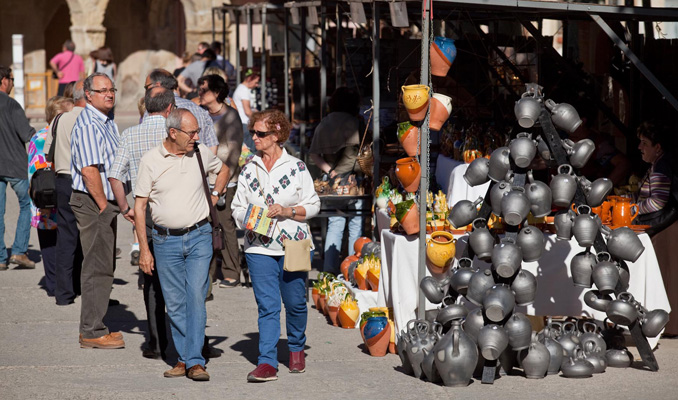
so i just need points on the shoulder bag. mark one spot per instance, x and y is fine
(43, 182)
(218, 242)
(54, 73)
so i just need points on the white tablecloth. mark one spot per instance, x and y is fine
(444, 167)
(458, 189)
(383, 221)
(556, 295)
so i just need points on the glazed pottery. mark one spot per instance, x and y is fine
(377, 333)
(408, 137)
(456, 356)
(442, 52)
(322, 303)
(359, 243)
(524, 287)
(464, 212)
(563, 115)
(407, 214)
(499, 164)
(506, 257)
(597, 300)
(576, 368)
(315, 296)
(622, 211)
(563, 222)
(348, 316)
(596, 192)
(371, 248)
(652, 322)
(428, 366)
(605, 273)
(441, 107)
(481, 240)
(473, 323)
(539, 195)
(535, 360)
(569, 339)
(591, 339)
(618, 358)
(440, 250)
(333, 315)
(462, 275)
(346, 263)
(519, 331)
(492, 341)
(372, 280)
(432, 290)
(555, 354)
(622, 311)
(579, 152)
(408, 173)
(498, 302)
(416, 100)
(515, 206)
(527, 110)
(496, 195)
(477, 172)
(531, 242)
(623, 243)
(585, 226)
(360, 279)
(581, 268)
(563, 186)
(402, 341)
(523, 149)
(450, 311)
(420, 338)
(478, 285)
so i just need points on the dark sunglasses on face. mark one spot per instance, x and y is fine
(261, 134)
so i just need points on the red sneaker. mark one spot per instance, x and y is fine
(263, 373)
(297, 362)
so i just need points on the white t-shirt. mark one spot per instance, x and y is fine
(241, 93)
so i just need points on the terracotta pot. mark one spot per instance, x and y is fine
(316, 297)
(346, 263)
(321, 303)
(442, 53)
(440, 249)
(622, 214)
(348, 317)
(410, 220)
(359, 243)
(377, 332)
(333, 315)
(407, 136)
(441, 107)
(373, 281)
(408, 173)
(416, 100)
(360, 280)
(392, 342)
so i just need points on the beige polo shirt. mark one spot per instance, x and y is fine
(62, 153)
(174, 187)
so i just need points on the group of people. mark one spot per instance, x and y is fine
(155, 176)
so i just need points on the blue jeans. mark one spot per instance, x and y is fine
(23, 224)
(335, 237)
(270, 282)
(182, 264)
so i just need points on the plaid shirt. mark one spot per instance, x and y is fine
(134, 143)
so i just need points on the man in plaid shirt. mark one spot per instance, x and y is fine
(134, 143)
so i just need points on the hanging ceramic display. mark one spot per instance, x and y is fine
(416, 99)
(407, 136)
(441, 107)
(408, 173)
(442, 53)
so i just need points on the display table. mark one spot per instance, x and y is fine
(383, 221)
(366, 298)
(556, 295)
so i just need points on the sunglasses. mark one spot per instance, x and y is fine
(261, 134)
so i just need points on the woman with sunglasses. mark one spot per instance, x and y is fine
(275, 180)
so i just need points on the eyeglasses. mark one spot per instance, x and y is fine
(192, 134)
(262, 134)
(105, 91)
(146, 87)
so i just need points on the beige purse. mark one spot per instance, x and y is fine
(297, 255)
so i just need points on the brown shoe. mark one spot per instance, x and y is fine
(198, 373)
(114, 335)
(22, 261)
(103, 342)
(177, 371)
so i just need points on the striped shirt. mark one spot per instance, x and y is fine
(93, 143)
(654, 192)
(207, 135)
(134, 143)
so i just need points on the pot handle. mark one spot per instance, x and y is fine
(586, 209)
(479, 220)
(588, 324)
(625, 296)
(637, 211)
(550, 104)
(603, 253)
(569, 169)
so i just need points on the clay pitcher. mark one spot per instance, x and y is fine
(622, 311)
(377, 333)
(563, 115)
(519, 331)
(464, 212)
(597, 300)
(515, 206)
(407, 214)
(605, 273)
(652, 322)
(624, 212)
(496, 195)
(535, 360)
(500, 164)
(597, 191)
(408, 172)
(441, 107)
(563, 186)
(473, 323)
(440, 250)
(407, 136)
(579, 152)
(623, 243)
(523, 149)
(499, 302)
(478, 285)
(581, 268)
(585, 226)
(481, 240)
(527, 110)
(525, 287)
(506, 258)
(443, 52)
(462, 275)
(416, 100)
(456, 356)
(531, 242)
(539, 195)
(492, 341)
(432, 290)
(476, 173)
(563, 222)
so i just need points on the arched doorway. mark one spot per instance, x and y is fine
(57, 30)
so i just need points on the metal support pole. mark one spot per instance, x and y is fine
(302, 84)
(376, 92)
(286, 46)
(250, 50)
(238, 67)
(337, 51)
(636, 61)
(423, 159)
(214, 25)
(223, 36)
(263, 83)
(323, 59)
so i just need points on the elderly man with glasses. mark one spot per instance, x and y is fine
(94, 142)
(170, 180)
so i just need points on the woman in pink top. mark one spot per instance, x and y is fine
(67, 65)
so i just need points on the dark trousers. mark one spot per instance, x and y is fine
(230, 255)
(97, 236)
(154, 300)
(48, 240)
(62, 87)
(68, 249)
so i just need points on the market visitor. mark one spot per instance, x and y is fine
(188, 78)
(171, 183)
(242, 97)
(67, 66)
(276, 180)
(658, 207)
(334, 149)
(213, 91)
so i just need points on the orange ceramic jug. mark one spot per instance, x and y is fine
(622, 214)
(604, 212)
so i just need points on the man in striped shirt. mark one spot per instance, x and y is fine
(94, 142)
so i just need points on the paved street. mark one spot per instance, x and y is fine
(40, 357)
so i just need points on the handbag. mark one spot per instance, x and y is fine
(43, 182)
(54, 73)
(218, 241)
